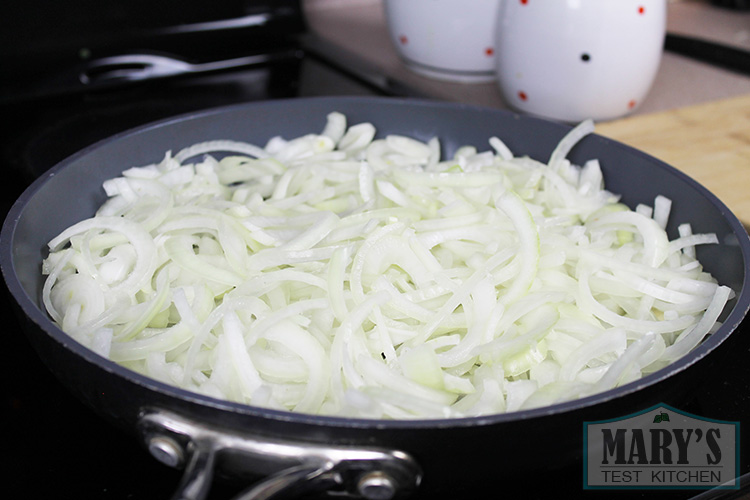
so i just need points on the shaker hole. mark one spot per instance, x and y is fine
(585, 57)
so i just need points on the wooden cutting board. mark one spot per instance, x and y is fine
(710, 142)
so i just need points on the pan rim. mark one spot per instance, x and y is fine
(34, 313)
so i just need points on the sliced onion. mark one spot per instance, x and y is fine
(341, 274)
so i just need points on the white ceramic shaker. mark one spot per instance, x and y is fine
(445, 39)
(570, 60)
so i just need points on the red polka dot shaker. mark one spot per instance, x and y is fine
(577, 59)
(445, 39)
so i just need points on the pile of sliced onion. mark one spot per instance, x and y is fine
(340, 274)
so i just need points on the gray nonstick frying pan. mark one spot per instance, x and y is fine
(283, 453)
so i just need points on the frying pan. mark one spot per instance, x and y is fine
(283, 453)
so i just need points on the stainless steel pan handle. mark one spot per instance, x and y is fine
(143, 67)
(290, 468)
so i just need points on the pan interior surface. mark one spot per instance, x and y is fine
(72, 191)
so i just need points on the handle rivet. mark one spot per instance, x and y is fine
(166, 451)
(376, 485)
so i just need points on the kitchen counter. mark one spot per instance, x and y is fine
(696, 116)
(709, 141)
